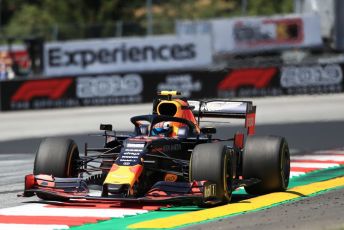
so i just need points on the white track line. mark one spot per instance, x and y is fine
(339, 158)
(32, 226)
(42, 210)
(313, 165)
(294, 174)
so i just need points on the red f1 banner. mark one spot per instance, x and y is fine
(256, 78)
(37, 94)
(250, 82)
(53, 89)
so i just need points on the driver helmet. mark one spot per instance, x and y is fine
(164, 128)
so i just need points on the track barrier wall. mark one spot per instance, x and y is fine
(136, 87)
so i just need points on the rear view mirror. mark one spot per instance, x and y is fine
(105, 127)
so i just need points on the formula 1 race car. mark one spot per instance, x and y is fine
(168, 159)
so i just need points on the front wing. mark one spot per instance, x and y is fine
(77, 189)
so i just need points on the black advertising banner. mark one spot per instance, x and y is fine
(71, 92)
(196, 85)
(128, 88)
(108, 89)
(287, 80)
(37, 94)
(312, 79)
(143, 87)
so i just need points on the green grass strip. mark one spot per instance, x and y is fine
(122, 223)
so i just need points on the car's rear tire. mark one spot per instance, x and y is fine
(266, 158)
(57, 157)
(212, 162)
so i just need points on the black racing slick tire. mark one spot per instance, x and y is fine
(266, 158)
(212, 162)
(57, 157)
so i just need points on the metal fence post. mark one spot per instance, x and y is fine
(119, 28)
(244, 7)
(149, 17)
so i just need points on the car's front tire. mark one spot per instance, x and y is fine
(57, 157)
(212, 162)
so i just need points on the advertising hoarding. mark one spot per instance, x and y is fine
(257, 34)
(127, 55)
(105, 89)
(142, 87)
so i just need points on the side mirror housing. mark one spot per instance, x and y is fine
(105, 127)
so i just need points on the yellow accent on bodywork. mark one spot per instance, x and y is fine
(121, 175)
(166, 93)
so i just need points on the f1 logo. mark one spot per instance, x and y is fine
(51, 88)
(257, 78)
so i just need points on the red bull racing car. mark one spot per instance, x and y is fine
(170, 158)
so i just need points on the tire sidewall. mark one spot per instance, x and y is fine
(264, 157)
(285, 164)
(57, 157)
(215, 157)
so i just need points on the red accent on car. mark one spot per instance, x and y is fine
(250, 123)
(114, 167)
(257, 78)
(156, 192)
(45, 183)
(136, 169)
(52, 88)
(196, 187)
(29, 181)
(239, 140)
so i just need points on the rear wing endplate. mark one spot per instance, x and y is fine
(226, 109)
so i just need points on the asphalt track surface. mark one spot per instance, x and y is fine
(324, 211)
(320, 129)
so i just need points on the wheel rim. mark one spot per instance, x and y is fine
(72, 170)
(227, 178)
(285, 166)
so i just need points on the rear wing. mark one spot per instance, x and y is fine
(226, 109)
